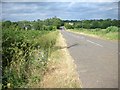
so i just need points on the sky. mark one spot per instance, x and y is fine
(60, 0)
(24, 10)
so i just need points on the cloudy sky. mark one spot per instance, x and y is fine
(24, 10)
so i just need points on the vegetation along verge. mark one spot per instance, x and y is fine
(61, 72)
(25, 51)
(110, 33)
(107, 28)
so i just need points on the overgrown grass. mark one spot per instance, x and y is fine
(61, 71)
(24, 56)
(110, 33)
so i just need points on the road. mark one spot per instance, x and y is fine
(96, 60)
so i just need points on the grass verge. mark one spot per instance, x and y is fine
(98, 33)
(61, 72)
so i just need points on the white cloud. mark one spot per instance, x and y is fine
(71, 4)
(69, 10)
(60, 1)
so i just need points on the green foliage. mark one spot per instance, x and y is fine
(112, 36)
(91, 24)
(26, 48)
(6, 24)
(95, 24)
(112, 29)
(109, 33)
(25, 53)
(78, 25)
(86, 24)
(105, 24)
(68, 26)
(47, 24)
(53, 22)
(94, 30)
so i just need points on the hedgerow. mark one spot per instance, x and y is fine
(25, 53)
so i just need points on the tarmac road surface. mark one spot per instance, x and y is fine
(96, 60)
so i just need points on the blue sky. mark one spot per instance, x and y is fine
(16, 11)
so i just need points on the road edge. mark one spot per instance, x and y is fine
(61, 71)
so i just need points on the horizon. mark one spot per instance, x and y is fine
(59, 18)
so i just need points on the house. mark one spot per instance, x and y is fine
(70, 23)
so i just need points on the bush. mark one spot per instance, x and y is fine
(112, 29)
(24, 53)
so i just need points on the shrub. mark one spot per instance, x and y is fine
(112, 29)
(24, 53)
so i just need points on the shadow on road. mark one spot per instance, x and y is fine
(72, 45)
(62, 47)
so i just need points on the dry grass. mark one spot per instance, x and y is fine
(61, 71)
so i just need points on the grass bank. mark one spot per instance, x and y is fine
(61, 72)
(100, 33)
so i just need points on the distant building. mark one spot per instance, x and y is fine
(27, 27)
(70, 23)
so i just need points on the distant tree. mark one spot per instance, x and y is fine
(6, 24)
(69, 26)
(115, 22)
(86, 24)
(77, 25)
(105, 24)
(95, 24)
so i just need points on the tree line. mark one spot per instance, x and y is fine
(55, 23)
(91, 24)
(47, 24)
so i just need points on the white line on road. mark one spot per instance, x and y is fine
(95, 43)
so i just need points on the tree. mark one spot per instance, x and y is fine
(6, 24)
(95, 24)
(105, 24)
(68, 26)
